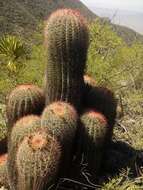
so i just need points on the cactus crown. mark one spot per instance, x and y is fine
(93, 114)
(65, 17)
(95, 126)
(62, 109)
(37, 141)
(66, 31)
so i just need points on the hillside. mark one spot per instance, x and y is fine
(23, 16)
(127, 34)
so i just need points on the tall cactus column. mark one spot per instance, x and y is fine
(66, 39)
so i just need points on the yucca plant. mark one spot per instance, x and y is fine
(11, 49)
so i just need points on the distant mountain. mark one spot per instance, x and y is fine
(128, 18)
(125, 23)
(23, 16)
(127, 34)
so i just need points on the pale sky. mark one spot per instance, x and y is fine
(133, 5)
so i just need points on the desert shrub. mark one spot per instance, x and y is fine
(112, 62)
(104, 44)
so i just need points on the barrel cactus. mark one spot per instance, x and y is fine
(37, 161)
(60, 119)
(21, 129)
(101, 99)
(94, 132)
(24, 100)
(66, 39)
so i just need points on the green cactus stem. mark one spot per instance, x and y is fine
(24, 100)
(93, 135)
(23, 127)
(61, 119)
(66, 39)
(37, 160)
(102, 100)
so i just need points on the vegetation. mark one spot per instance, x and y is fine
(113, 64)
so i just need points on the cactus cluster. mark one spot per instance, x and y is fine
(48, 129)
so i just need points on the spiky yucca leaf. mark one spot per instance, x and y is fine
(11, 47)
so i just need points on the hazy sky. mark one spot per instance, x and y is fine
(133, 5)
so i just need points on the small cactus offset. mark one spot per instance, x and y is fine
(21, 129)
(37, 161)
(100, 99)
(61, 121)
(3, 171)
(94, 131)
(89, 80)
(66, 39)
(24, 100)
